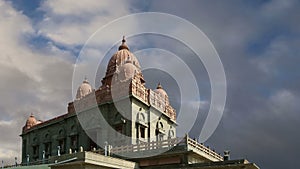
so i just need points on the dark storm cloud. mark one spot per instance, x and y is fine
(257, 43)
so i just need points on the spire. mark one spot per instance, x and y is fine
(123, 40)
(123, 45)
(85, 79)
(159, 86)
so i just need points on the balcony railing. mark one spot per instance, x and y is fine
(187, 142)
(200, 147)
(147, 146)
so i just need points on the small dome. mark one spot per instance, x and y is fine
(127, 71)
(84, 89)
(31, 121)
(160, 91)
(39, 122)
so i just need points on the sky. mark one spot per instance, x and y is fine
(257, 42)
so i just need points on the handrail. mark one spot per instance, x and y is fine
(167, 144)
(204, 149)
(147, 146)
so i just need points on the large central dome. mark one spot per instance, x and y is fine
(120, 58)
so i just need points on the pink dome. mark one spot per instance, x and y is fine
(84, 89)
(162, 93)
(31, 121)
(127, 71)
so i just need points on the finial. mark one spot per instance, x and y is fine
(85, 79)
(159, 86)
(123, 45)
(123, 40)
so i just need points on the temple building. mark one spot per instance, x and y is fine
(121, 124)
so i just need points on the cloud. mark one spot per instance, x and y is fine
(258, 43)
(263, 81)
(9, 148)
(277, 55)
(33, 80)
(72, 23)
(277, 8)
(283, 100)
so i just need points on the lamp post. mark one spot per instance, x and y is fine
(44, 155)
(58, 150)
(105, 148)
(27, 159)
(226, 155)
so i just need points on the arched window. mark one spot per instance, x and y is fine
(141, 125)
(159, 131)
(119, 123)
(47, 144)
(171, 134)
(62, 140)
(161, 125)
(140, 117)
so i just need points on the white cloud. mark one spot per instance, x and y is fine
(78, 8)
(72, 23)
(5, 123)
(39, 80)
(33, 80)
(277, 56)
(10, 145)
